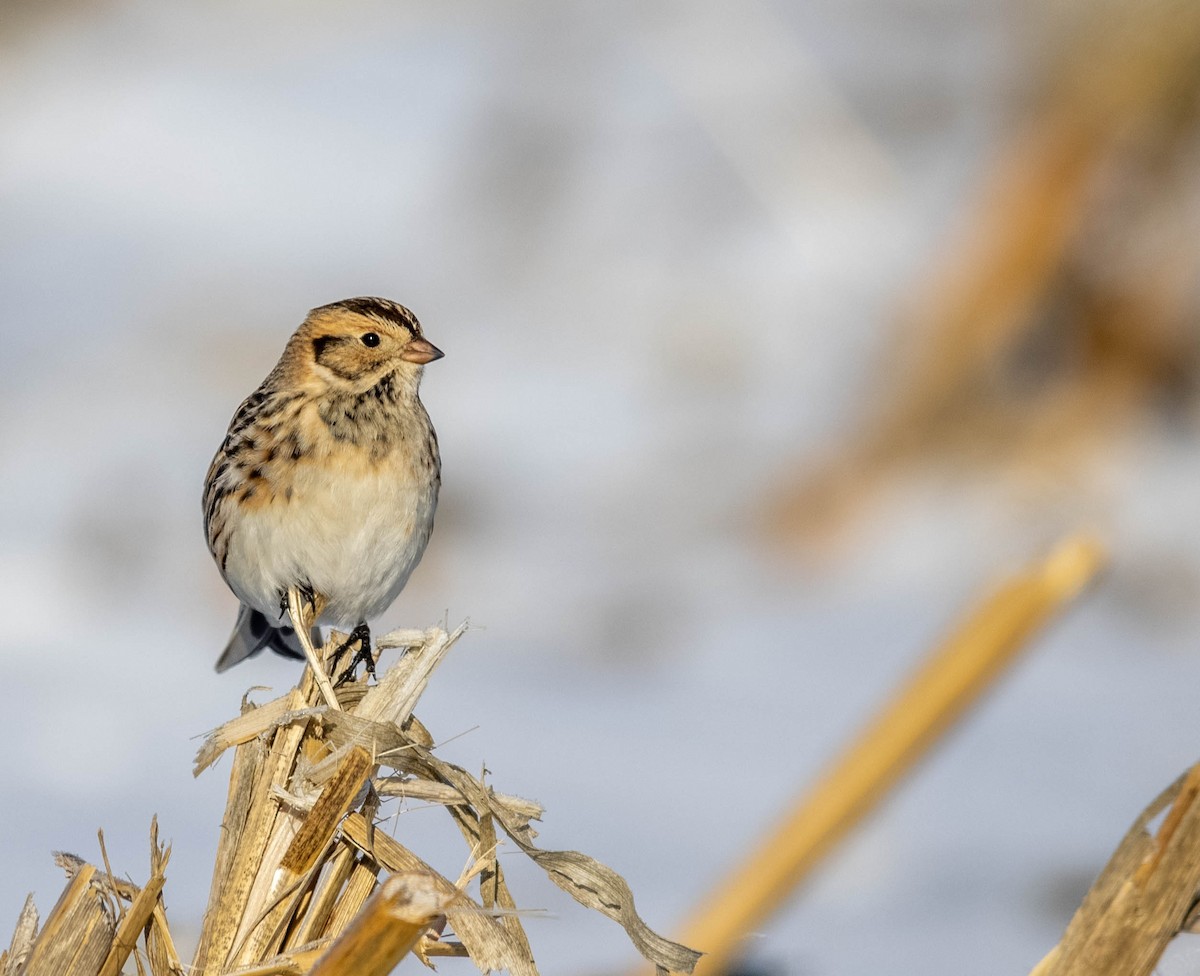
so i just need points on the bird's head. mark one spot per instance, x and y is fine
(353, 344)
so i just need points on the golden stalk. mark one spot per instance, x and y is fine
(389, 925)
(78, 933)
(304, 616)
(935, 696)
(132, 924)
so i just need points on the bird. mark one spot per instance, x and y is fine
(327, 479)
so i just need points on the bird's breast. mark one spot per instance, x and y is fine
(350, 521)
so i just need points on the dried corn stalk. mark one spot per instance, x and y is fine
(1144, 897)
(299, 854)
(303, 883)
(97, 924)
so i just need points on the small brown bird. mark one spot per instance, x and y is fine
(328, 477)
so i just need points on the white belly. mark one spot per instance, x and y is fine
(354, 539)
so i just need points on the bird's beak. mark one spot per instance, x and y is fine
(421, 351)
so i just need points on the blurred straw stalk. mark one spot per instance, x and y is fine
(939, 692)
(1064, 312)
(296, 884)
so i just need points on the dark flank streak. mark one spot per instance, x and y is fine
(213, 501)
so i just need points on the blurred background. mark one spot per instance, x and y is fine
(774, 333)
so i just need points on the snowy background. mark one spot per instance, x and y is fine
(661, 245)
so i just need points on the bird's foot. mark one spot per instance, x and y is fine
(307, 594)
(360, 635)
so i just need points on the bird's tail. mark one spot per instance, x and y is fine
(252, 633)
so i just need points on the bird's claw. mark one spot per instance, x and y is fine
(360, 635)
(307, 595)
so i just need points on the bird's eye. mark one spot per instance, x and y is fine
(370, 339)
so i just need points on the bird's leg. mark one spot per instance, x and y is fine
(307, 594)
(360, 635)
